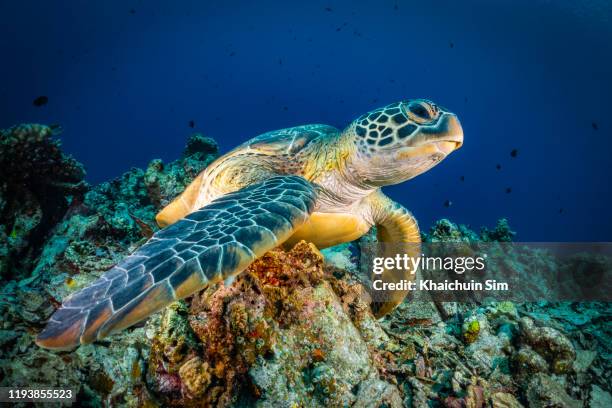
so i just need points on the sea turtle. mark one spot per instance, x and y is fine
(311, 182)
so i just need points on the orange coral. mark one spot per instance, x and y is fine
(318, 355)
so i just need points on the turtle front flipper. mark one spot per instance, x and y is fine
(397, 230)
(214, 243)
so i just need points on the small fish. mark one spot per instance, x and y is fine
(462, 178)
(498, 166)
(451, 44)
(192, 123)
(561, 210)
(514, 153)
(448, 203)
(40, 101)
(231, 54)
(285, 108)
(328, 9)
(594, 125)
(132, 11)
(508, 190)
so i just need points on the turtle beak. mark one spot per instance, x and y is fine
(439, 139)
(446, 132)
(455, 131)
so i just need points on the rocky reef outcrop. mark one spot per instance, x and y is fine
(278, 336)
(37, 181)
(294, 330)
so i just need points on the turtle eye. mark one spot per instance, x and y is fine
(420, 111)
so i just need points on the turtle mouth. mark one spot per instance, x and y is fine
(436, 149)
(448, 146)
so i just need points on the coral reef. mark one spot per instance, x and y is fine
(295, 329)
(37, 183)
(86, 231)
(279, 335)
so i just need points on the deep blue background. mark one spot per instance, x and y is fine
(125, 77)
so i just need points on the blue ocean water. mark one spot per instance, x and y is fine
(125, 78)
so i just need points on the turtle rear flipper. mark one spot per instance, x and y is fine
(211, 244)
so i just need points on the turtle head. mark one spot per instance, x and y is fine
(402, 140)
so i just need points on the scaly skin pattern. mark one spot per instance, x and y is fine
(310, 183)
(315, 152)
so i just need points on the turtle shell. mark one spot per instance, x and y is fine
(289, 141)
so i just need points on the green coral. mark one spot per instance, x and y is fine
(472, 329)
(501, 233)
(446, 231)
(175, 339)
